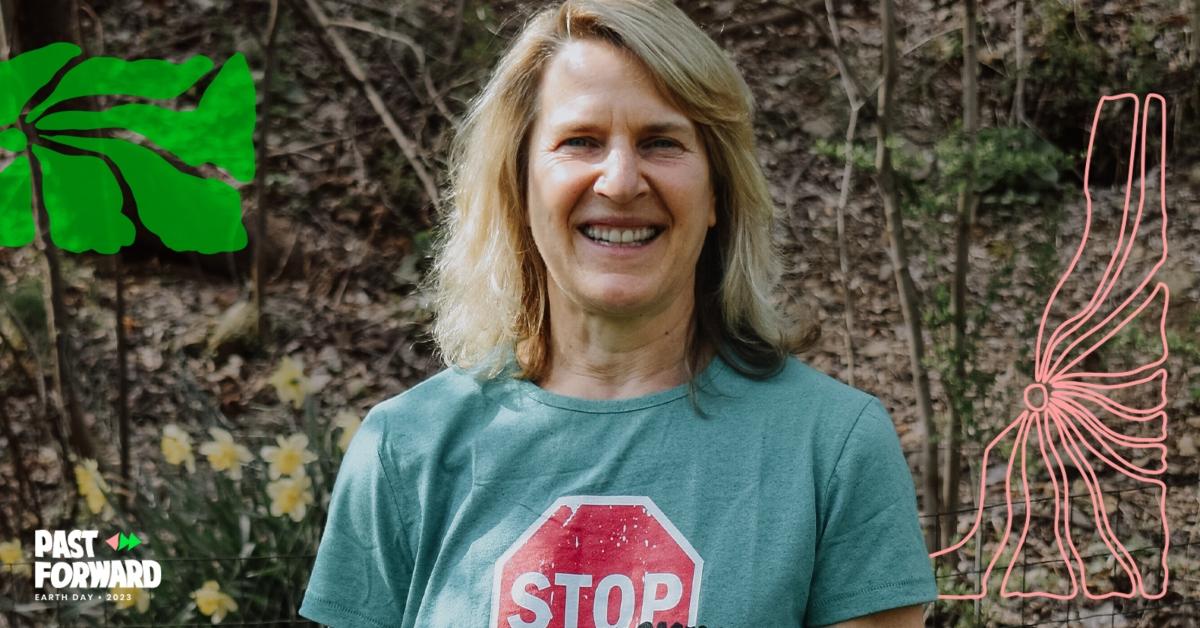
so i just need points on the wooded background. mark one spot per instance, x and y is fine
(359, 100)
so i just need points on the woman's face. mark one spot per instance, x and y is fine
(619, 194)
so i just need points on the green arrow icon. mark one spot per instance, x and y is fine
(128, 541)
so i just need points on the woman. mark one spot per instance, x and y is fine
(623, 439)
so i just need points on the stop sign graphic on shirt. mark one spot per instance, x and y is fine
(597, 562)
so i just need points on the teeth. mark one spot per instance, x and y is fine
(619, 236)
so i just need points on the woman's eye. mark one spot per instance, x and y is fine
(578, 142)
(662, 142)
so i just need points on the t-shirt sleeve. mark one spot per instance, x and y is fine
(363, 566)
(871, 555)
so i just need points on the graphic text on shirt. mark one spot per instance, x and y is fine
(597, 562)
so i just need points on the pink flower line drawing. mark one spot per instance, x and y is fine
(1059, 405)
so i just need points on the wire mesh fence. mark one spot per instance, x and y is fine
(1134, 514)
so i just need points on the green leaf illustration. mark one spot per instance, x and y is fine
(25, 75)
(219, 131)
(148, 78)
(81, 174)
(102, 227)
(188, 213)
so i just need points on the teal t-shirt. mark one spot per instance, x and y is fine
(497, 503)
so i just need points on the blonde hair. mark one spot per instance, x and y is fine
(489, 281)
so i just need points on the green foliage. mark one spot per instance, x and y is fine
(1017, 174)
(1132, 339)
(1145, 69)
(1013, 167)
(1186, 342)
(862, 153)
(1068, 63)
(1183, 344)
(78, 175)
(1015, 170)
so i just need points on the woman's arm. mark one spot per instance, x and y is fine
(871, 561)
(363, 567)
(903, 617)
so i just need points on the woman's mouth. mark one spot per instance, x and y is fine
(612, 236)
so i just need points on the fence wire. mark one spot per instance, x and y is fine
(1179, 607)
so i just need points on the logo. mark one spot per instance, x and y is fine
(88, 574)
(87, 176)
(123, 541)
(1088, 425)
(598, 562)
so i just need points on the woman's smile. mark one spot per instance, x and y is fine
(618, 237)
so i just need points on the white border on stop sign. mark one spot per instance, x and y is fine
(575, 501)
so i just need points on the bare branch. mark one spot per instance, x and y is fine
(322, 24)
(910, 305)
(377, 31)
(850, 82)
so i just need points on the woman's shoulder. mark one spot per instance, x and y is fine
(440, 402)
(798, 383)
(449, 385)
(837, 421)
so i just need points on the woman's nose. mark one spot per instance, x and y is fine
(620, 177)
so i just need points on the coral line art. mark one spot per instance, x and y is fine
(1063, 407)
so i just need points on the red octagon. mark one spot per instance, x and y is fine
(597, 562)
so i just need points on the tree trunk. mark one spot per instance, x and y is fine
(58, 325)
(1195, 43)
(1018, 112)
(260, 218)
(122, 370)
(37, 23)
(898, 252)
(849, 85)
(1191, 100)
(967, 200)
(6, 29)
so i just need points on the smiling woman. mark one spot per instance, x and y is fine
(621, 437)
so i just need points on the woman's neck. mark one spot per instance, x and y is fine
(593, 356)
